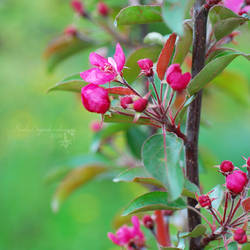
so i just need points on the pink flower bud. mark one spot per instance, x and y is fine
(248, 162)
(125, 101)
(148, 222)
(236, 181)
(96, 126)
(70, 30)
(240, 236)
(78, 7)
(226, 167)
(176, 79)
(204, 200)
(103, 9)
(140, 104)
(95, 99)
(146, 66)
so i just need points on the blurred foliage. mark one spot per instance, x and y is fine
(40, 131)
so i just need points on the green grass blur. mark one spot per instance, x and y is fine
(34, 126)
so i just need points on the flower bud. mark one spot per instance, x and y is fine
(240, 236)
(148, 222)
(226, 167)
(125, 101)
(70, 30)
(248, 162)
(78, 7)
(103, 9)
(236, 181)
(95, 99)
(176, 79)
(140, 104)
(146, 66)
(96, 126)
(204, 200)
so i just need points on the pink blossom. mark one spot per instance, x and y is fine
(240, 236)
(235, 5)
(176, 79)
(146, 66)
(148, 222)
(106, 70)
(103, 9)
(129, 235)
(226, 166)
(95, 99)
(236, 181)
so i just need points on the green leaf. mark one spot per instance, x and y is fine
(139, 14)
(246, 246)
(63, 47)
(199, 230)
(56, 174)
(167, 171)
(232, 246)
(190, 189)
(132, 71)
(106, 132)
(139, 175)
(218, 194)
(169, 248)
(135, 138)
(173, 13)
(224, 21)
(73, 180)
(153, 201)
(213, 69)
(183, 44)
(72, 83)
(153, 38)
(119, 118)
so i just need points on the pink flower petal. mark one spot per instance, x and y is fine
(114, 239)
(96, 76)
(97, 60)
(233, 5)
(119, 57)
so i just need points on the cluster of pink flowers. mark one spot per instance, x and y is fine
(129, 237)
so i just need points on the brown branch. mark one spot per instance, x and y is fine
(194, 111)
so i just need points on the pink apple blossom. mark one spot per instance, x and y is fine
(240, 236)
(103, 9)
(146, 66)
(95, 99)
(226, 167)
(176, 79)
(129, 236)
(236, 181)
(125, 101)
(106, 70)
(235, 5)
(78, 7)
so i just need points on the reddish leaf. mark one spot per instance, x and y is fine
(165, 56)
(120, 91)
(246, 204)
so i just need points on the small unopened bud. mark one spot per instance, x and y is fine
(146, 66)
(248, 162)
(125, 101)
(148, 222)
(247, 2)
(242, 12)
(70, 30)
(240, 236)
(205, 201)
(236, 182)
(78, 7)
(226, 167)
(168, 212)
(140, 104)
(103, 9)
(96, 126)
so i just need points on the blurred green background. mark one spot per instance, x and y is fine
(34, 135)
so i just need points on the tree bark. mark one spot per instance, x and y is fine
(194, 112)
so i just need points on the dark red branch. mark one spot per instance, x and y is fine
(194, 112)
